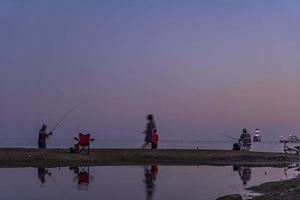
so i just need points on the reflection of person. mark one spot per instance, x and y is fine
(43, 135)
(246, 140)
(149, 130)
(245, 174)
(154, 171)
(42, 172)
(150, 177)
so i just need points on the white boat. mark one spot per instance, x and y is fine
(257, 136)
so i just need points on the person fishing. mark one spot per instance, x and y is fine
(245, 139)
(149, 131)
(43, 135)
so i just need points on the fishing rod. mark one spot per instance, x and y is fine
(64, 117)
(229, 136)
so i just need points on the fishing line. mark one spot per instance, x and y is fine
(64, 117)
(228, 136)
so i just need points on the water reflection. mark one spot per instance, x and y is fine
(150, 173)
(244, 173)
(150, 182)
(42, 173)
(82, 177)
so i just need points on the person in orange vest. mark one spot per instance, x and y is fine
(155, 139)
(245, 139)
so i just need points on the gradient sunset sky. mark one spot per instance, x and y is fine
(201, 67)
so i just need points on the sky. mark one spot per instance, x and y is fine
(201, 67)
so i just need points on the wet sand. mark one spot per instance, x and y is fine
(25, 157)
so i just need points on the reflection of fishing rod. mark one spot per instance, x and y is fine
(51, 177)
(63, 117)
(229, 137)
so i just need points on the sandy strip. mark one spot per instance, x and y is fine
(26, 157)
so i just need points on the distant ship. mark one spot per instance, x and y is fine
(257, 136)
(291, 139)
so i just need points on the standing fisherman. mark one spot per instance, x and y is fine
(246, 140)
(149, 131)
(43, 135)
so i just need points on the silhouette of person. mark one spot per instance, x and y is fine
(246, 140)
(150, 177)
(151, 126)
(43, 135)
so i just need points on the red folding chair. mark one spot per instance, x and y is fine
(84, 142)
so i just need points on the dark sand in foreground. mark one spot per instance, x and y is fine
(26, 157)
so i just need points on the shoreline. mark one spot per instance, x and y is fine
(275, 190)
(29, 157)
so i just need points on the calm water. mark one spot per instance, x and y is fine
(173, 144)
(134, 182)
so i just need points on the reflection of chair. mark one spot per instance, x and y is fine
(82, 177)
(84, 142)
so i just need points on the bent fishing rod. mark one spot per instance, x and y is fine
(64, 117)
(228, 136)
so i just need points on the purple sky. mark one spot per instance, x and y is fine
(201, 67)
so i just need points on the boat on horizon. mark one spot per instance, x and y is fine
(257, 136)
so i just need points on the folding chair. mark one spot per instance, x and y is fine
(84, 142)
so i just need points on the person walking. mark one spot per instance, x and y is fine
(245, 139)
(149, 131)
(43, 135)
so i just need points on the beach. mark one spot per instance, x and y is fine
(29, 157)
